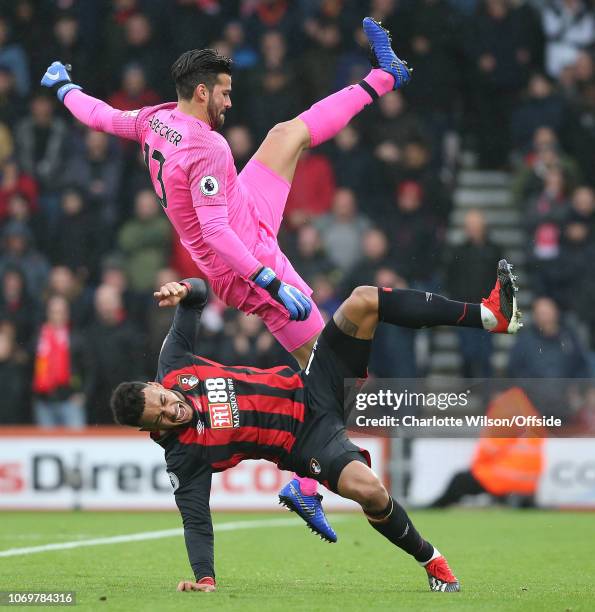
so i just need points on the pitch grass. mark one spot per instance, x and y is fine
(505, 560)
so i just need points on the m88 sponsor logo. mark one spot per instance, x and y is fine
(222, 402)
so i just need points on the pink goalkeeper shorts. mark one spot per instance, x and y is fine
(269, 192)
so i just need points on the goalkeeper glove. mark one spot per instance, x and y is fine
(298, 305)
(57, 79)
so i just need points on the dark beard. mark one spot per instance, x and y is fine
(216, 119)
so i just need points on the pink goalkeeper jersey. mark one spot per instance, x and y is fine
(194, 176)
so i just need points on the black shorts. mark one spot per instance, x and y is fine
(322, 448)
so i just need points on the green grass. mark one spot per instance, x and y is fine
(505, 560)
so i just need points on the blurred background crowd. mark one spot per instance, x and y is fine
(506, 85)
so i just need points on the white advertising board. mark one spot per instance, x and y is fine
(568, 479)
(97, 469)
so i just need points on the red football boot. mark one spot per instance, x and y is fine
(441, 577)
(502, 302)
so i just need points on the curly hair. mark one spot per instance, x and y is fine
(198, 66)
(128, 403)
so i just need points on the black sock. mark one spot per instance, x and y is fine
(395, 525)
(416, 309)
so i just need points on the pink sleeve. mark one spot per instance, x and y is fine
(101, 116)
(207, 176)
(220, 237)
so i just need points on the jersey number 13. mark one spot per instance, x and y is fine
(157, 155)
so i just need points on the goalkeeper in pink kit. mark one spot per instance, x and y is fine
(229, 222)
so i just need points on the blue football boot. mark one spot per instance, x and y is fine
(383, 56)
(309, 507)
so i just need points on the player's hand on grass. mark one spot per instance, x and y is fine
(170, 294)
(206, 585)
(298, 305)
(57, 78)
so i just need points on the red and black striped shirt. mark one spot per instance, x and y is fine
(240, 412)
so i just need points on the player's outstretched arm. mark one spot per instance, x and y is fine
(192, 498)
(94, 113)
(190, 297)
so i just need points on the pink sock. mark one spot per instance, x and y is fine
(307, 485)
(328, 117)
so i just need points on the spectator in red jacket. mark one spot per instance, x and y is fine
(58, 401)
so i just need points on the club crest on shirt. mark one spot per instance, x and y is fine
(315, 467)
(209, 185)
(187, 381)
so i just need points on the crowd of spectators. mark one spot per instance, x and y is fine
(84, 243)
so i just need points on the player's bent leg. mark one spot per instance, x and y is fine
(285, 142)
(415, 309)
(358, 314)
(322, 121)
(282, 147)
(358, 482)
